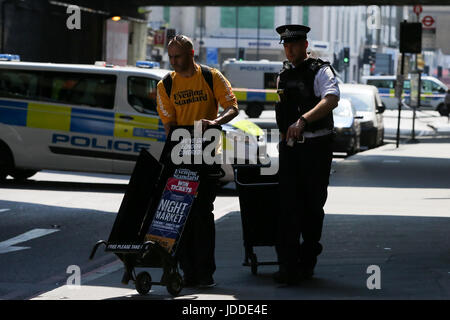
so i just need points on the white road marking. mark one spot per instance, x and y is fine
(8, 245)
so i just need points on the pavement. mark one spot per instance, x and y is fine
(426, 123)
(385, 235)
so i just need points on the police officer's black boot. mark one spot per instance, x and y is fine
(308, 259)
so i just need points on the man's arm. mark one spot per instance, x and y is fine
(168, 125)
(165, 109)
(324, 107)
(225, 96)
(224, 117)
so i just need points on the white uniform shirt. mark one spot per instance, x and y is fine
(325, 83)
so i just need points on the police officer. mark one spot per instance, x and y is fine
(308, 93)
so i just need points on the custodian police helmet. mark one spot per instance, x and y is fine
(292, 32)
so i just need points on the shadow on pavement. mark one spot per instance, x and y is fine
(411, 253)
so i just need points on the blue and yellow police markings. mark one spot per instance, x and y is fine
(13, 113)
(262, 95)
(424, 96)
(48, 117)
(82, 123)
(139, 127)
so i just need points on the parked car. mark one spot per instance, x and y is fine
(347, 127)
(368, 105)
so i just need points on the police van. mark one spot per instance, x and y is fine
(89, 118)
(432, 91)
(254, 83)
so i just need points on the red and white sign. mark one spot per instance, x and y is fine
(159, 37)
(417, 10)
(428, 21)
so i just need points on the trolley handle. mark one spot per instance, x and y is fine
(218, 175)
(100, 242)
(253, 184)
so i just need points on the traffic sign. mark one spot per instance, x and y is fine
(428, 21)
(159, 38)
(417, 10)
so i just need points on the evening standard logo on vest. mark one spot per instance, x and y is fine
(189, 96)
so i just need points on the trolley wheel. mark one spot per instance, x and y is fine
(143, 283)
(174, 284)
(254, 263)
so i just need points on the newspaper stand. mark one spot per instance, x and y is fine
(259, 204)
(142, 236)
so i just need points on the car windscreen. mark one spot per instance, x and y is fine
(361, 101)
(342, 110)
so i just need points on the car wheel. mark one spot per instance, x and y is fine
(254, 110)
(382, 138)
(443, 110)
(352, 150)
(22, 174)
(3, 175)
(6, 161)
(373, 140)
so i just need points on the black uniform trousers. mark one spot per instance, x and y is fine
(304, 171)
(196, 249)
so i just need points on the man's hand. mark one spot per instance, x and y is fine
(207, 123)
(295, 130)
(226, 116)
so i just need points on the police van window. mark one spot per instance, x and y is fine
(19, 84)
(435, 87)
(142, 94)
(406, 84)
(381, 83)
(80, 89)
(426, 86)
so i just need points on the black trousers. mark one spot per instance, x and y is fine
(196, 249)
(304, 172)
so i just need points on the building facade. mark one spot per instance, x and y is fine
(37, 31)
(249, 33)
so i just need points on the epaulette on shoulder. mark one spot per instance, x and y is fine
(318, 63)
(287, 65)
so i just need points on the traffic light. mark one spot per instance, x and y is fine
(241, 54)
(346, 56)
(368, 56)
(170, 34)
(420, 62)
(439, 71)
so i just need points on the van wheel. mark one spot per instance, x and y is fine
(254, 110)
(6, 161)
(443, 110)
(3, 175)
(22, 174)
